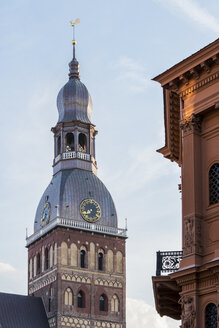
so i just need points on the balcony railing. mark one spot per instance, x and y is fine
(79, 225)
(71, 155)
(168, 262)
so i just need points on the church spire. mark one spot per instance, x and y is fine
(74, 64)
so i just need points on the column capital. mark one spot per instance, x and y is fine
(191, 124)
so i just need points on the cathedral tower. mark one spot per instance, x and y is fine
(76, 255)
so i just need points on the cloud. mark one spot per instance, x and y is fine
(131, 73)
(144, 166)
(142, 315)
(6, 268)
(195, 12)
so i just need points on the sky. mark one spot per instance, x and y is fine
(121, 46)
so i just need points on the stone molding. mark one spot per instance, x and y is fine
(188, 311)
(191, 124)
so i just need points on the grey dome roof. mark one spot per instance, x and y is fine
(74, 101)
(68, 189)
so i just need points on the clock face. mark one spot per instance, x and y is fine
(90, 210)
(45, 213)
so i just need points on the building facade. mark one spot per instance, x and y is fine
(76, 255)
(191, 114)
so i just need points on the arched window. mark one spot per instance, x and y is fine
(100, 261)
(38, 266)
(103, 303)
(214, 184)
(69, 142)
(59, 145)
(68, 296)
(211, 316)
(81, 299)
(82, 143)
(46, 262)
(114, 304)
(82, 258)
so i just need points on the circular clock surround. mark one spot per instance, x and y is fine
(45, 216)
(90, 210)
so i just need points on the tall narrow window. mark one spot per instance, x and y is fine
(100, 261)
(214, 184)
(46, 263)
(38, 264)
(59, 145)
(103, 304)
(69, 142)
(82, 143)
(49, 304)
(211, 316)
(82, 255)
(81, 299)
(68, 297)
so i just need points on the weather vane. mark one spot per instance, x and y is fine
(74, 42)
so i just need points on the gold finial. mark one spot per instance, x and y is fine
(77, 21)
(74, 42)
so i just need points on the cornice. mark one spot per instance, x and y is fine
(193, 65)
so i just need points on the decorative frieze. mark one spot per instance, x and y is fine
(200, 84)
(40, 283)
(108, 283)
(76, 278)
(188, 311)
(67, 321)
(191, 124)
(105, 324)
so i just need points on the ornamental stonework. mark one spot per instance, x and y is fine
(44, 281)
(188, 311)
(52, 322)
(200, 84)
(174, 117)
(191, 124)
(192, 236)
(76, 278)
(67, 321)
(108, 283)
(105, 324)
